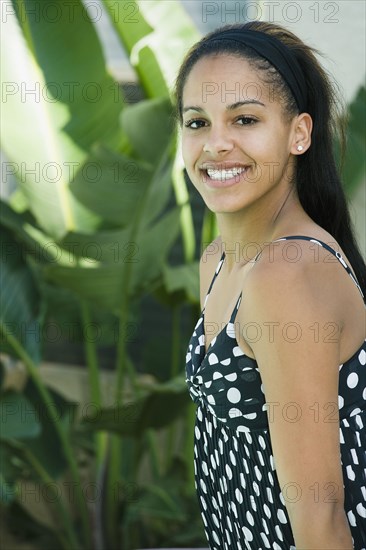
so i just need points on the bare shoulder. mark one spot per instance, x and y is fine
(209, 260)
(301, 272)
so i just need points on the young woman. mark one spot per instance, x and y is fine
(277, 360)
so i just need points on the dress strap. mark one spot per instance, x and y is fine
(214, 277)
(331, 250)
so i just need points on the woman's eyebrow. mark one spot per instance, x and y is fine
(234, 106)
(230, 107)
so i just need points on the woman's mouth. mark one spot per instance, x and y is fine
(223, 177)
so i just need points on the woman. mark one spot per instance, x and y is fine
(277, 360)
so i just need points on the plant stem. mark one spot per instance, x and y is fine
(93, 369)
(51, 411)
(175, 358)
(47, 480)
(186, 218)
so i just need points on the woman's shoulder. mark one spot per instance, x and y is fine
(312, 263)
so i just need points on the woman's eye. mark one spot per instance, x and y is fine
(194, 124)
(245, 120)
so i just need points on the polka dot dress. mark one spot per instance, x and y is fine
(241, 503)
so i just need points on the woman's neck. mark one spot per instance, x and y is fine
(245, 233)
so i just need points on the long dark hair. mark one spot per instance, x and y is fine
(318, 183)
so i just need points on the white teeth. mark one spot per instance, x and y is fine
(224, 174)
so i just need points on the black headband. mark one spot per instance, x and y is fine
(277, 53)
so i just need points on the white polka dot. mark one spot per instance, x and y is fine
(216, 375)
(361, 510)
(228, 471)
(204, 468)
(233, 395)
(237, 352)
(350, 473)
(231, 377)
(212, 358)
(281, 516)
(250, 518)
(234, 413)
(279, 532)
(267, 511)
(242, 480)
(216, 538)
(266, 530)
(216, 521)
(242, 428)
(239, 496)
(197, 432)
(340, 401)
(276, 546)
(213, 463)
(232, 458)
(226, 362)
(362, 357)
(265, 540)
(352, 380)
(248, 535)
(203, 503)
(257, 473)
(351, 518)
(203, 486)
(250, 416)
(229, 524)
(234, 509)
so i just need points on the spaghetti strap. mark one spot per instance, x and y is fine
(331, 250)
(214, 278)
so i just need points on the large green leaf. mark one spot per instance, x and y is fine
(47, 447)
(354, 166)
(20, 315)
(155, 117)
(18, 418)
(156, 35)
(150, 411)
(46, 134)
(112, 185)
(104, 283)
(183, 279)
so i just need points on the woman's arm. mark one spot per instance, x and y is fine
(299, 364)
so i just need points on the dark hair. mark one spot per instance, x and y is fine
(318, 183)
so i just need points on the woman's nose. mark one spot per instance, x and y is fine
(218, 140)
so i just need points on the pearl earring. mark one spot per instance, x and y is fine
(299, 147)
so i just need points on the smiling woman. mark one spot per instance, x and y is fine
(276, 362)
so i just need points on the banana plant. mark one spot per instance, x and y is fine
(89, 222)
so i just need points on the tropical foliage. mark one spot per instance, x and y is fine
(85, 235)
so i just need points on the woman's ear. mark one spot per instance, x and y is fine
(302, 134)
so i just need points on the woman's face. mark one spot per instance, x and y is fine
(236, 140)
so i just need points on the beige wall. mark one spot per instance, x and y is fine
(338, 30)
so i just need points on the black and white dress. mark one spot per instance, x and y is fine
(240, 499)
